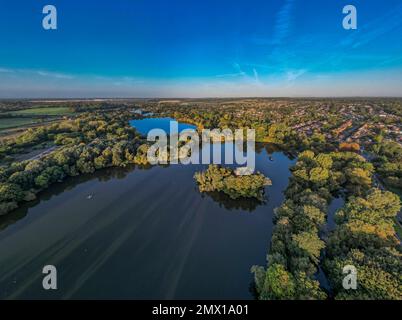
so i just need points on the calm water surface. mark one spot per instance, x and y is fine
(146, 233)
(146, 125)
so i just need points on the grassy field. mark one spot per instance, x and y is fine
(6, 123)
(47, 111)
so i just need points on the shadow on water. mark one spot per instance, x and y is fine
(246, 204)
(70, 183)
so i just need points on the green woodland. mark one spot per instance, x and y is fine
(388, 161)
(364, 237)
(90, 142)
(217, 178)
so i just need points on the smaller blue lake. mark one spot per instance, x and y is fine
(145, 125)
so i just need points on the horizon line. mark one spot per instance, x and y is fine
(200, 98)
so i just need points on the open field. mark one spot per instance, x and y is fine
(31, 116)
(6, 123)
(49, 111)
(13, 132)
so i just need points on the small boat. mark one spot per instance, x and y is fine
(89, 196)
(271, 159)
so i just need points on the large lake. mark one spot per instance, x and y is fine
(146, 233)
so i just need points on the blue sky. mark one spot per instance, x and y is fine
(208, 48)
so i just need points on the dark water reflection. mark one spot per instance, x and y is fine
(145, 233)
(228, 203)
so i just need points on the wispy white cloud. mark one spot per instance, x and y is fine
(283, 22)
(53, 74)
(365, 34)
(292, 75)
(41, 75)
(256, 76)
(251, 75)
(32, 72)
(6, 70)
(289, 63)
(282, 26)
(368, 32)
(237, 67)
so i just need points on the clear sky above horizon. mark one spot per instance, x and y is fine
(208, 48)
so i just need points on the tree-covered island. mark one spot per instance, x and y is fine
(221, 179)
